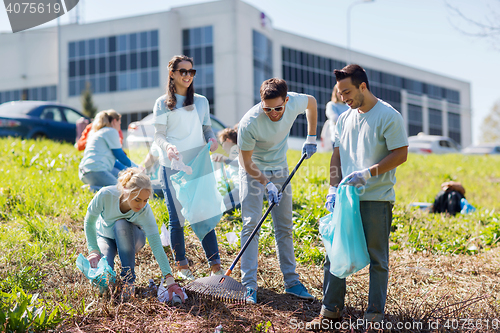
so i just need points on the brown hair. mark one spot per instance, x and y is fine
(355, 72)
(132, 181)
(273, 88)
(171, 101)
(228, 133)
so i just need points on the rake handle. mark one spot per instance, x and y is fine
(263, 218)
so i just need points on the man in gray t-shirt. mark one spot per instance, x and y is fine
(262, 139)
(370, 142)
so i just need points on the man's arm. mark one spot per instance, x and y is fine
(335, 171)
(246, 161)
(311, 115)
(395, 158)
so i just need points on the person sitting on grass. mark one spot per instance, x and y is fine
(82, 141)
(103, 157)
(118, 221)
(449, 199)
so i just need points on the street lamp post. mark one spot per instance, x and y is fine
(349, 26)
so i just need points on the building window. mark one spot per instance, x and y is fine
(415, 119)
(262, 62)
(452, 96)
(46, 93)
(454, 129)
(198, 44)
(435, 122)
(117, 54)
(309, 74)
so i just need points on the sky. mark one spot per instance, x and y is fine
(425, 34)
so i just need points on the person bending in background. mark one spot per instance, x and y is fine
(118, 221)
(334, 108)
(228, 138)
(103, 156)
(182, 126)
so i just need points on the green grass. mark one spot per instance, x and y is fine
(42, 207)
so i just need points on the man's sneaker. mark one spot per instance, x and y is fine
(128, 291)
(251, 296)
(219, 272)
(300, 291)
(185, 274)
(322, 323)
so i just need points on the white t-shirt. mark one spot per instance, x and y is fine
(268, 139)
(364, 139)
(184, 126)
(98, 155)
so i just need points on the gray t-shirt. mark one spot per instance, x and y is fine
(364, 139)
(268, 139)
(98, 155)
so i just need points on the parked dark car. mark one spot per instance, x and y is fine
(37, 119)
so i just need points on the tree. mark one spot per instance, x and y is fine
(487, 27)
(490, 129)
(88, 107)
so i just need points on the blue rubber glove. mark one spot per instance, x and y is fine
(309, 147)
(330, 199)
(273, 196)
(358, 178)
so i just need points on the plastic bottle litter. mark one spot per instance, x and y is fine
(231, 237)
(176, 300)
(218, 329)
(179, 165)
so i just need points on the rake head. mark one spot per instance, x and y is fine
(219, 287)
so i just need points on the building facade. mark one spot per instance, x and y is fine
(235, 48)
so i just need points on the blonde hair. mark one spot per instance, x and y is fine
(104, 118)
(133, 180)
(335, 98)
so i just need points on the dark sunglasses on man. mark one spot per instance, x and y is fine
(185, 72)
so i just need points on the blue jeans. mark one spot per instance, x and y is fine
(377, 218)
(251, 198)
(129, 239)
(99, 179)
(176, 224)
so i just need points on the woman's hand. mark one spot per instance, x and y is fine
(173, 287)
(214, 145)
(94, 258)
(172, 153)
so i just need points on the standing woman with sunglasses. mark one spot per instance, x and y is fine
(182, 127)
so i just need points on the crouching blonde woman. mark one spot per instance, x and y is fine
(118, 221)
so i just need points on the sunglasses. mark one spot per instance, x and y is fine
(185, 72)
(277, 108)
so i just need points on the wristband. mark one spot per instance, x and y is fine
(367, 174)
(311, 139)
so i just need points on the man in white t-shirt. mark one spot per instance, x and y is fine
(370, 142)
(262, 139)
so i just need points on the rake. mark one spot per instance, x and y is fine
(225, 288)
